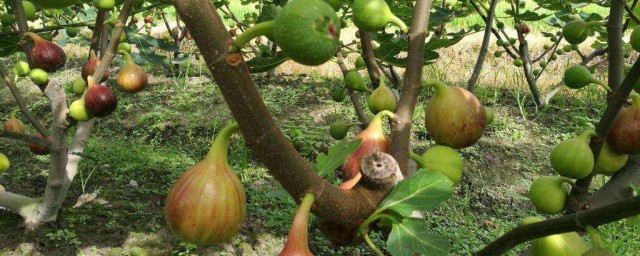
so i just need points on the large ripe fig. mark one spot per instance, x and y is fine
(381, 98)
(624, 136)
(339, 129)
(307, 31)
(40, 149)
(577, 76)
(79, 85)
(46, 55)
(548, 194)
(373, 140)
(21, 69)
(610, 162)
(634, 39)
(297, 241)
(454, 116)
(90, 67)
(4, 163)
(338, 94)
(99, 100)
(566, 244)
(14, 124)
(374, 15)
(132, 77)
(78, 111)
(354, 81)
(573, 158)
(207, 204)
(442, 159)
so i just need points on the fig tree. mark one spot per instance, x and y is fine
(374, 15)
(573, 158)
(442, 159)
(548, 194)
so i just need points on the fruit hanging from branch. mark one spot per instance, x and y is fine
(90, 67)
(297, 241)
(99, 100)
(46, 55)
(21, 69)
(374, 15)
(79, 85)
(39, 77)
(578, 30)
(609, 161)
(354, 82)
(14, 124)
(624, 136)
(566, 244)
(4, 163)
(441, 159)
(207, 204)
(454, 116)
(338, 94)
(132, 78)
(548, 194)
(78, 111)
(577, 76)
(339, 129)
(381, 98)
(38, 149)
(573, 158)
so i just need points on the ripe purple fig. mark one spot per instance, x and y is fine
(14, 124)
(206, 205)
(297, 242)
(624, 136)
(99, 100)
(132, 77)
(46, 55)
(40, 149)
(373, 140)
(454, 116)
(90, 67)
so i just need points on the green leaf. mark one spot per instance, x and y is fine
(337, 154)
(527, 15)
(422, 192)
(412, 236)
(261, 64)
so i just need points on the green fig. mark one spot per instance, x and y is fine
(518, 62)
(573, 158)
(559, 51)
(374, 15)
(207, 204)
(307, 31)
(543, 64)
(566, 244)
(79, 85)
(104, 4)
(491, 113)
(4, 163)
(599, 251)
(72, 31)
(577, 76)
(124, 46)
(577, 31)
(567, 48)
(634, 39)
(442, 159)
(336, 4)
(381, 98)
(57, 4)
(610, 162)
(354, 81)
(338, 94)
(498, 54)
(536, 72)
(360, 63)
(21, 69)
(29, 10)
(500, 25)
(78, 111)
(548, 194)
(339, 129)
(624, 136)
(454, 116)
(39, 76)
(269, 12)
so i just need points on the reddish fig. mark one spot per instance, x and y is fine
(525, 29)
(297, 242)
(99, 100)
(373, 140)
(132, 77)
(39, 149)
(90, 67)
(206, 205)
(624, 136)
(148, 19)
(454, 116)
(14, 124)
(46, 55)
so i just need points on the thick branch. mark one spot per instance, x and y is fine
(528, 73)
(17, 203)
(23, 27)
(97, 32)
(615, 44)
(258, 127)
(369, 58)
(401, 130)
(47, 28)
(114, 41)
(484, 48)
(568, 223)
(24, 137)
(23, 107)
(618, 187)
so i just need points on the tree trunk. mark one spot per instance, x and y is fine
(484, 48)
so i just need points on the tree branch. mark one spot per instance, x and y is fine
(25, 137)
(108, 56)
(401, 129)
(618, 187)
(23, 27)
(615, 44)
(97, 32)
(16, 94)
(484, 48)
(369, 58)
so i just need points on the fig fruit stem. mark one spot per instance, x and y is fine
(418, 159)
(127, 56)
(260, 29)
(220, 146)
(588, 134)
(367, 239)
(35, 37)
(398, 22)
(595, 237)
(635, 98)
(438, 85)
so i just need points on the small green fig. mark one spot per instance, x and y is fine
(454, 117)
(29, 10)
(78, 111)
(543, 64)
(374, 15)
(21, 69)
(634, 39)
(577, 31)
(132, 78)
(624, 136)
(491, 113)
(360, 63)
(354, 81)
(518, 62)
(4, 163)
(338, 94)
(548, 194)
(500, 25)
(567, 48)
(566, 244)
(124, 46)
(104, 4)
(39, 76)
(72, 31)
(610, 162)
(573, 158)
(498, 54)
(79, 85)
(207, 204)
(381, 98)
(339, 129)
(297, 241)
(444, 160)
(577, 76)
